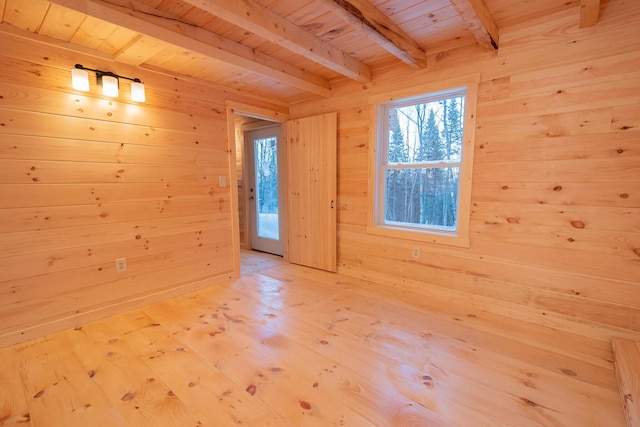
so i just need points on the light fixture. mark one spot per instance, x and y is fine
(80, 79)
(108, 80)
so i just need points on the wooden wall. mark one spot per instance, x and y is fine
(555, 223)
(85, 180)
(555, 235)
(242, 208)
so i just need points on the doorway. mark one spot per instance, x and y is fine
(263, 147)
(306, 194)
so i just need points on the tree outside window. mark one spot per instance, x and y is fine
(266, 167)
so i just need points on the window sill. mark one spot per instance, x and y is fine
(425, 237)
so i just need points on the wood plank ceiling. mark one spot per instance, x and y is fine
(290, 50)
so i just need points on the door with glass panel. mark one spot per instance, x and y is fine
(264, 189)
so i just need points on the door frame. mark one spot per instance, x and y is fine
(236, 108)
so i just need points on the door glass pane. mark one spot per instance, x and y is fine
(267, 187)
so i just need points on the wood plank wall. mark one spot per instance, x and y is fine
(240, 172)
(85, 180)
(555, 223)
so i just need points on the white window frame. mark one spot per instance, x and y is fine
(378, 159)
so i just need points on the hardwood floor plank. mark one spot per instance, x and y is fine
(209, 395)
(129, 385)
(464, 321)
(445, 360)
(353, 370)
(13, 404)
(256, 360)
(286, 345)
(59, 390)
(253, 261)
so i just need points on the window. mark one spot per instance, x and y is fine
(423, 158)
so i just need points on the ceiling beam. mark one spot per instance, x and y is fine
(368, 19)
(589, 12)
(479, 21)
(272, 27)
(137, 17)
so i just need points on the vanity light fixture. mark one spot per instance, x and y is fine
(108, 80)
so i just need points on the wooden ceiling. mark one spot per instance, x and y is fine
(290, 50)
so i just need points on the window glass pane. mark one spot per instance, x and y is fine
(422, 197)
(426, 131)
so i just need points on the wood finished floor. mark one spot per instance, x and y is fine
(290, 346)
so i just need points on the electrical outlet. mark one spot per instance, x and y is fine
(223, 181)
(415, 253)
(121, 265)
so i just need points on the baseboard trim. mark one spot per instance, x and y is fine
(39, 330)
(627, 361)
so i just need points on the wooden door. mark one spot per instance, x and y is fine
(311, 174)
